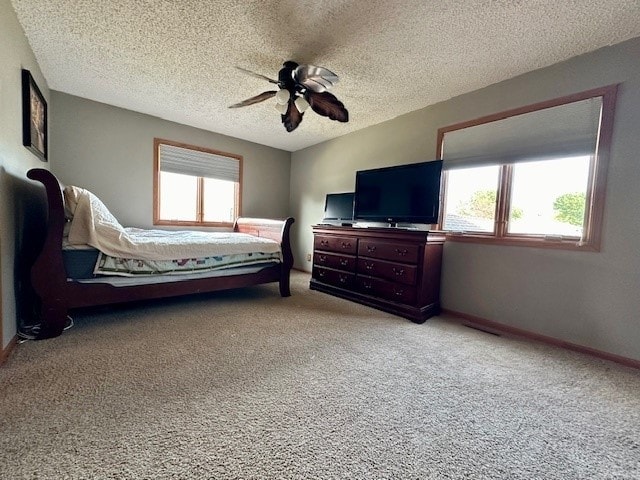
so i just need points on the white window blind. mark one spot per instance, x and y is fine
(184, 161)
(562, 131)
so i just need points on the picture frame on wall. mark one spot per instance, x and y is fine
(34, 117)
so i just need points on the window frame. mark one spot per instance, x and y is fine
(200, 187)
(595, 194)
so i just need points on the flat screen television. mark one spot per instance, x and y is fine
(399, 194)
(338, 208)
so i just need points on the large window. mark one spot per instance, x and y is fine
(195, 186)
(532, 176)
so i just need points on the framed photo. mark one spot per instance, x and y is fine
(34, 117)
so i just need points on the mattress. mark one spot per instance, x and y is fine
(79, 263)
(153, 279)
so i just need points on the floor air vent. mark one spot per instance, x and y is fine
(475, 327)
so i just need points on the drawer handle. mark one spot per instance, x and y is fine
(346, 244)
(322, 258)
(398, 271)
(344, 262)
(371, 248)
(402, 252)
(369, 266)
(398, 293)
(343, 278)
(324, 243)
(321, 273)
(367, 286)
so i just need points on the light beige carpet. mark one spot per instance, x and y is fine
(247, 384)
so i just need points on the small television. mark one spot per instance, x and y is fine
(338, 208)
(399, 194)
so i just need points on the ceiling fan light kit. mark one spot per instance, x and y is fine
(282, 97)
(301, 104)
(301, 87)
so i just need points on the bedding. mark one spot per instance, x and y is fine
(108, 265)
(137, 252)
(87, 263)
(93, 224)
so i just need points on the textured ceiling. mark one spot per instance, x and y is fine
(176, 59)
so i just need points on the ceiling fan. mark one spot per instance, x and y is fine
(300, 87)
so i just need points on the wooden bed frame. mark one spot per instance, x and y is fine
(58, 295)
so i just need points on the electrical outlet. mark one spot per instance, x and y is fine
(308, 257)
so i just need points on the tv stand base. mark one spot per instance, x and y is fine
(394, 270)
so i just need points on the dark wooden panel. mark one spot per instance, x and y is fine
(332, 260)
(399, 252)
(336, 243)
(334, 277)
(397, 272)
(395, 292)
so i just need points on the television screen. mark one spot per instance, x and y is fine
(399, 194)
(338, 207)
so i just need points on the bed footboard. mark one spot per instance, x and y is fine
(58, 295)
(278, 230)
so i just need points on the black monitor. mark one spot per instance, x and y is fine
(399, 194)
(338, 208)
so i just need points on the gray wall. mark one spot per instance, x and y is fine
(109, 150)
(587, 298)
(15, 159)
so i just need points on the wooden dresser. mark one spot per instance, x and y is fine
(391, 269)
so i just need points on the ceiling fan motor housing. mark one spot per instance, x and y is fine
(285, 77)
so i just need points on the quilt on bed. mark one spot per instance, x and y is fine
(138, 252)
(107, 265)
(92, 224)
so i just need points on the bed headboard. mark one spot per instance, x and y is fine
(55, 200)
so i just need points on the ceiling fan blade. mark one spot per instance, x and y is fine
(316, 79)
(257, 75)
(327, 105)
(292, 118)
(257, 99)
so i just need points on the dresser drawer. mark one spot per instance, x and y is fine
(335, 244)
(396, 272)
(331, 260)
(395, 292)
(399, 252)
(334, 277)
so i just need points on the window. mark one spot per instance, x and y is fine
(195, 186)
(531, 176)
